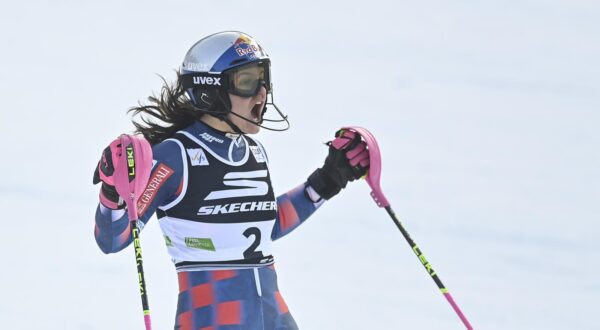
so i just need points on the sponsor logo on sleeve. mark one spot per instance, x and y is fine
(157, 179)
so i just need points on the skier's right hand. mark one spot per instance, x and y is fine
(104, 173)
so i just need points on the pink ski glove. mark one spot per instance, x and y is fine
(104, 173)
(356, 153)
(348, 160)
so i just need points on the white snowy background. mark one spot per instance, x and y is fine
(487, 114)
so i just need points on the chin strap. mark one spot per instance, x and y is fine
(283, 118)
(223, 115)
(259, 124)
(233, 126)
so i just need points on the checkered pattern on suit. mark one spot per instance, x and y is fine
(231, 300)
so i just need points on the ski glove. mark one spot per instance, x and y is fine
(104, 173)
(348, 160)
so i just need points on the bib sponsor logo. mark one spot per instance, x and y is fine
(211, 81)
(258, 154)
(238, 207)
(197, 157)
(210, 138)
(243, 180)
(157, 179)
(200, 243)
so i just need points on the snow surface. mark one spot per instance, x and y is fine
(487, 114)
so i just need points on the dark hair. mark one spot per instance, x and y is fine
(167, 113)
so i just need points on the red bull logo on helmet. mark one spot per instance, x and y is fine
(245, 46)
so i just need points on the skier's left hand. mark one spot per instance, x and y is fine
(348, 160)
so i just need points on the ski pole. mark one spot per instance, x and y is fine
(373, 179)
(131, 176)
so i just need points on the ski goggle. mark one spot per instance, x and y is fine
(244, 80)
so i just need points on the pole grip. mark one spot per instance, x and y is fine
(132, 172)
(374, 172)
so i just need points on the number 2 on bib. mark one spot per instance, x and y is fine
(251, 252)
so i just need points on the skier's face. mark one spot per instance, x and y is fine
(249, 108)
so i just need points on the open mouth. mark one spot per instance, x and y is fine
(257, 112)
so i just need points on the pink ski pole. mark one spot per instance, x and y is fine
(132, 172)
(373, 179)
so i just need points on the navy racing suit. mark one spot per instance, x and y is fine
(212, 195)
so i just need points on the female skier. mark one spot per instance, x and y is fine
(211, 191)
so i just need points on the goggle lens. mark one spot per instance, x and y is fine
(247, 80)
